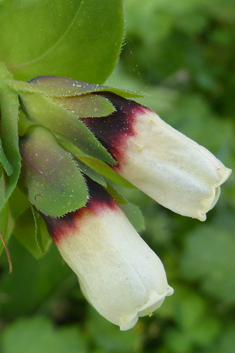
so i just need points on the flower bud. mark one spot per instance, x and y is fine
(165, 164)
(118, 272)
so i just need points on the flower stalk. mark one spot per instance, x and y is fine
(7, 252)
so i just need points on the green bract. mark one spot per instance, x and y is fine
(50, 177)
(54, 86)
(43, 110)
(56, 150)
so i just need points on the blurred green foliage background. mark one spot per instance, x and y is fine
(182, 54)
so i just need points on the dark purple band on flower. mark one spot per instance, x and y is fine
(113, 131)
(99, 200)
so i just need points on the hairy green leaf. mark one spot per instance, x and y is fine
(3, 159)
(87, 106)
(10, 156)
(54, 86)
(91, 173)
(50, 178)
(102, 168)
(43, 110)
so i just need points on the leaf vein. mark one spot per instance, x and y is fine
(48, 51)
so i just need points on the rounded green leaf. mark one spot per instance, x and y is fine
(76, 38)
(50, 178)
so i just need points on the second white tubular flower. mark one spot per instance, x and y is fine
(118, 272)
(162, 162)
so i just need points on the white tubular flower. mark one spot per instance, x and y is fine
(165, 164)
(118, 272)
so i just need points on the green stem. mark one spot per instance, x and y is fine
(7, 252)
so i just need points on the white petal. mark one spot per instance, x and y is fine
(172, 169)
(119, 274)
